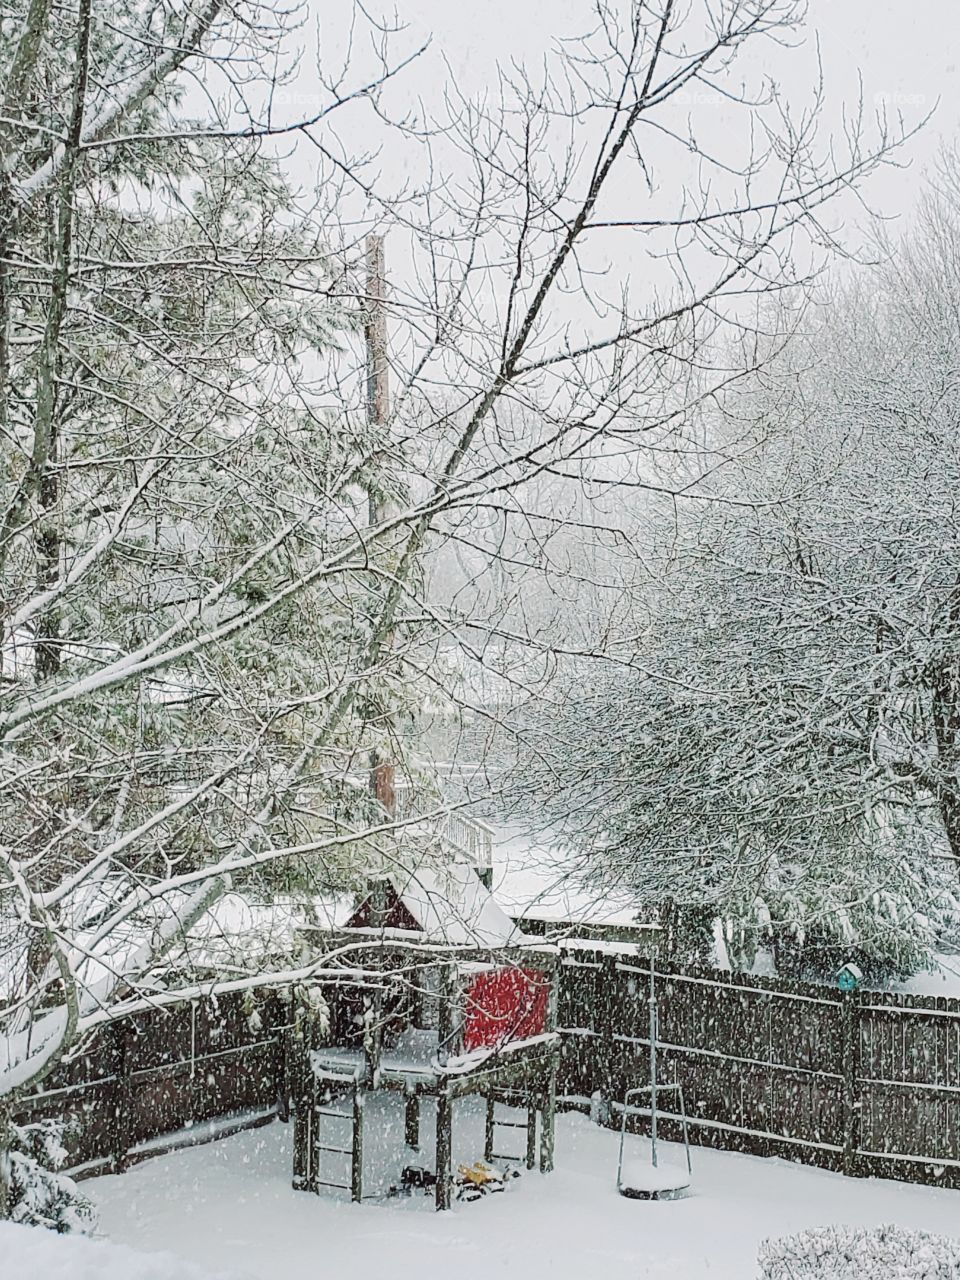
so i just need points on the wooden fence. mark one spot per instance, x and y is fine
(864, 1083)
(867, 1084)
(154, 1081)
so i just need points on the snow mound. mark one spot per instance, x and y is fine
(849, 1253)
(31, 1253)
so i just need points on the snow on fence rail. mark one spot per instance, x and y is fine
(170, 1077)
(865, 1083)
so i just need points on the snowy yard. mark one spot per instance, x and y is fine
(228, 1208)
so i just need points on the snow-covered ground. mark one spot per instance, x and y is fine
(942, 981)
(228, 1207)
(31, 1253)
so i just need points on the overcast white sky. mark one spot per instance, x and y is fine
(905, 52)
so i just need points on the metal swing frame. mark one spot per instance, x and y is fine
(654, 1089)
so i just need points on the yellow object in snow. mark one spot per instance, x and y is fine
(478, 1174)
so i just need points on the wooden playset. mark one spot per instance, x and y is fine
(440, 997)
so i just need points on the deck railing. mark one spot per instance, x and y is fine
(468, 838)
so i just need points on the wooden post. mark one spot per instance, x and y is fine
(548, 1121)
(851, 1069)
(356, 1159)
(652, 1010)
(606, 1043)
(121, 1111)
(302, 1130)
(531, 1131)
(197, 1085)
(548, 1124)
(284, 1038)
(448, 1021)
(444, 1192)
(411, 1122)
(488, 1128)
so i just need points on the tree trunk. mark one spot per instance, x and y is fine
(946, 725)
(47, 646)
(6, 1137)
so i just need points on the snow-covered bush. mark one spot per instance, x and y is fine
(857, 1253)
(40, 1195)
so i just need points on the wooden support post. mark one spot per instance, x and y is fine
(444, 1149)
(531, 1131)
(548, 1129)
(606, 1043)
(304, 1095)
(285, 1094)
(373, 1040)
(356, 1159)
(488, 1128)
(411, 1122)
(302, 1134)
(121, 1112)
(851, 1067)
(449, 1019)
(198, 1084)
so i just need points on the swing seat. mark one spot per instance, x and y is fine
(642, 1181)
(639, 1179)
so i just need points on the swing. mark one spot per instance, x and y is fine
(636, 1179)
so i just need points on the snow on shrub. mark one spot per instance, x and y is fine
(857, 1253)
(40, 1195)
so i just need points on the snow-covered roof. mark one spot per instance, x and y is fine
(453, 905)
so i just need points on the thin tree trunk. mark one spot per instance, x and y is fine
(946, 725)
(6, 1139)
(44, 423)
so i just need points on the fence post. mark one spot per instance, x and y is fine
(197, 1086)
(605, 1010)
(850, 1054)
(283, 1032)
(121, 1111)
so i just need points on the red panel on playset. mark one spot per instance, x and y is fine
(502, 1005)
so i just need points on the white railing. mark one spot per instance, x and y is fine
(469, 839)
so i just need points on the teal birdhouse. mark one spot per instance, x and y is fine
(849, 977)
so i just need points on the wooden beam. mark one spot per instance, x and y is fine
(548, 1125)
(356, 1158)
(531, 1130)
(411, 1122)
(444, 1191)
(850, 1045)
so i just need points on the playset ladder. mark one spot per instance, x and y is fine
(527, 1126)
(338, 1133)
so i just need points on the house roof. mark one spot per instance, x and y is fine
(453, 905)
(449, 905)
